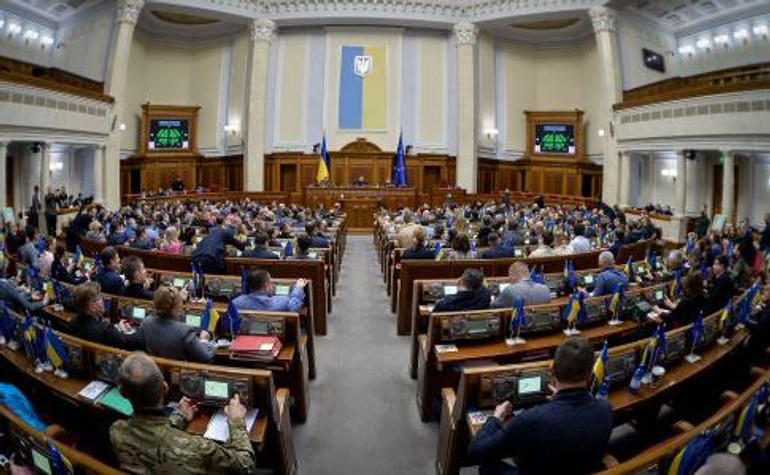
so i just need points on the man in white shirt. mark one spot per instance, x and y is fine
(579, 243)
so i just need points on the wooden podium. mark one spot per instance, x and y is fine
(360, 203)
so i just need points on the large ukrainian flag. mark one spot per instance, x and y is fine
(362, 102)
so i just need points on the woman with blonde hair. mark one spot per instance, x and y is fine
(171, 243)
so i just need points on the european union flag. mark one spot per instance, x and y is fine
(692, 455)
(59, 464)
(289, 249)
(232, 319)
(244, 281)
(399, 165)
(7, 323)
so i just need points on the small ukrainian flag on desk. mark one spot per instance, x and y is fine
(363, 87)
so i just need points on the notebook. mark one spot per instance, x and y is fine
(218, 428)
(115, 401)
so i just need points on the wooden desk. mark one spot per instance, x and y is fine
(360, 203)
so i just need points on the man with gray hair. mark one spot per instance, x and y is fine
(609, 279)
(150, 442)
(522, 287)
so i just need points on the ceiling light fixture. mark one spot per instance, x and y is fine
(722, 39)
(703, 43)
(14, 28)
(760, 30)
(741, 34)
(687, 49)
(46, 41)
(31, 34)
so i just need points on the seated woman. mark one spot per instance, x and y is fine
(166, 336)
(461, 249)
(133, 269)
(689, 306)
(59, 270)
(418, 250)
(303, 248)
(171, 243)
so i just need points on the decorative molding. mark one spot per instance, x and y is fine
(755, 101)
(32, 96)
(603, 19)
(262, 30)
(128, 11)
(466, 33)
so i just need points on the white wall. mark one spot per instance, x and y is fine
(758, 180)
(633, 35)
(85, 44)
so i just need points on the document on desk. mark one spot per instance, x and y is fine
(218, 428)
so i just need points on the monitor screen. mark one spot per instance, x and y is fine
(518, 252)
(529, 385)
(555, 138)
(193, 320)
(138, 313)
(215, 389)
(277, 254)
(41, 462)
(658, 295)
(179, 283)
(588, 279)
(168, 134)
(477, 326)
(281, 290)
(259, 327)
(450, 289)
(640, 269)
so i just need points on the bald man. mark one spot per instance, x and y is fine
(609, 279)
(150, 442)
(522, 287)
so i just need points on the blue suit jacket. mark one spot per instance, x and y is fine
(608, 280)
(276, 303)
(111, 282)
(567, 435)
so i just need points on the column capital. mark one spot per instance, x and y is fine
(466, 33)
(602, 18)
(128, 11)
(262, 30)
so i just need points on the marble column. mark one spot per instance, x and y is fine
(126, 16)
(610, 93)
(728, 186)
(99, 173)
(262, 32)
(466, 35)
(625, 179)
(45, 181)
(3, 176)
(681, 183)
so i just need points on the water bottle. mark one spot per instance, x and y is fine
(636, 380)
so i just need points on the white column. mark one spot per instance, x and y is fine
(625, 179)
(262, 32)
(3, 177)
(98, 173)
(126, 15)
(45, 181)
(610, 93)
(681, 183)
(728, 185)
(466, 35)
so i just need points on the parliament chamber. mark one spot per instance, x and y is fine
(446, 237)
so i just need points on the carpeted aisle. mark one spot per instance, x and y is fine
(363, 417)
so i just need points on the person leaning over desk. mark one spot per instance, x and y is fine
(533, 293)
(567, 435)
(150, 442)
(261, 294)
(471, 294)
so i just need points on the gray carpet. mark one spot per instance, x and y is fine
(363, 416)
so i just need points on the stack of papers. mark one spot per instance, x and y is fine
(218, 428)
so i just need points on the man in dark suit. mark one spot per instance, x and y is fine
(88, 323)
(418, 250)
(209, 255)
(496, 250)
(318, 239)
(566, 435)
(721, 287)
(133, 269)
(471, 294)
(109, 279)
(260, 248)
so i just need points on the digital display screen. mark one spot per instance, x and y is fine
(658, 295)
(555, 138)
(450, 289)
(281, 290)
(588, 279)
(193, 320)
(518, 252)
(215, 389)
(87, 265)
(640, 269)
(529, 385)
(277, 253)
(139, 313)
(259, 327)
(168, 134)
(503, 287)
(477, 326)
(41, 462)
(179, 283)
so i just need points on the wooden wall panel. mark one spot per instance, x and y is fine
(539, 176)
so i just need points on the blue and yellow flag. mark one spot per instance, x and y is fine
(628, 269)
(745, 424)
(324, 163)
(600, 366)
(78, 256)
(650, 353)
(518, 318)
(692, 455)
(724, 317)
(210, 317)
(55, 349)
(675, 288)
(573, 311)
(59, 464)
(363, 88)
(7, 323)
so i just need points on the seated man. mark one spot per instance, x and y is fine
(609, 277)
(496, 249)
(579, 243)
(569, 434)
(109, 279)
(17, 298)
(88, 324)
(545, 249)
(720, 287)
(522, 287)
(260, 250)
(318, 239)
(471, 294)
(260, 296)
(418, 250)
(142, 241)
(150, 442)
(302, 252)
(133, 269)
